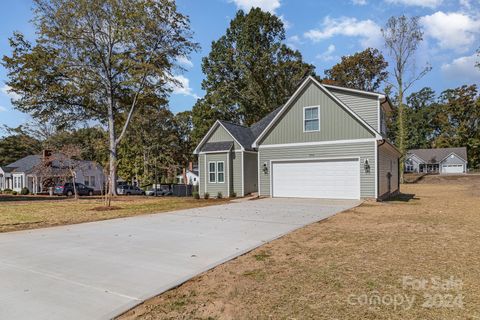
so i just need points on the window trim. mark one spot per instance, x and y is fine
(318, 118)
(214, 172)
(223, 171)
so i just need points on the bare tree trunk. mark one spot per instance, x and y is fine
(113, 151)
(401, 129)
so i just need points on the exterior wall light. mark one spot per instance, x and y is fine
(366, 166)
(265, 168)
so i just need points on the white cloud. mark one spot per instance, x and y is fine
(452, 30)
(6, 90)
(420, 3)
(3, 109)
(463, 68)
(367, 30)
(328, 54)
(286, 24)
(359, 2)
(184, 61)
(265, 5)
(183, 88)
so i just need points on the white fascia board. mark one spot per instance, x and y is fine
(316, 143)
(367, 93)
(456, 155)
(241, 147)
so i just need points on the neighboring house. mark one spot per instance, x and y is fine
(325, 142)
(26, 173)
(189, 176)
(440, 160)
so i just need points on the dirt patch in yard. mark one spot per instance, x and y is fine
(336, 269)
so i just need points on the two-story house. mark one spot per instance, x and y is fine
(324, 142)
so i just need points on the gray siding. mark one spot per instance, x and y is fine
(387, 164)
(364, 150)
(236, 173)
(454, 160)
(250, 162)
(335, 122)
(365, 106)
(220, 134)
(214, 188)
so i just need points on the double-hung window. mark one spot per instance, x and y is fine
(220, 172)
(216, 172)
(311, 119)
(212, 172)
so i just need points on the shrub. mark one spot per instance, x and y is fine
(7, 191)
(14, 193)
(196, 195)
(233, 195)
(206, 195)
(219, 195)
(24, 191)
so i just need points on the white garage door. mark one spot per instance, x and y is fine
(333, 179)
(452, 168)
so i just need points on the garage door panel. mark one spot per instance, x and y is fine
(336, 179)
(452, 168)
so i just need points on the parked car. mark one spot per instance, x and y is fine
(161, 191)
(66, 189)
(129, 190)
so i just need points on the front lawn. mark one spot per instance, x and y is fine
(414, 258)
(28, 212)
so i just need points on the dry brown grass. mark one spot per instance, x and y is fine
(20, 213)
(312, 272)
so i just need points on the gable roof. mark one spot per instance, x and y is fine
(285, 107)
(242, 134)
(25, 164)
(438, 154)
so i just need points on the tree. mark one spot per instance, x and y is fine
(97, 60)
(16, 145)
(183, 128)
(364, 70)
(459, 121)
(248, 72)
(402, 37)
(420, 118)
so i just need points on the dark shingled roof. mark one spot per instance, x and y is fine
(242, 134)
(217, 146)
(259, 126)
(437, 155)
(23, 165)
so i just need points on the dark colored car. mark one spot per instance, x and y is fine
(129, 190)
(163, 190)
(66, 189)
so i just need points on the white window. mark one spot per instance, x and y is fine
(220, 172)
(90, 181)
(311, 119)
(211, 172)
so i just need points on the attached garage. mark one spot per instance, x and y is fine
(332, 178)
(453, 168)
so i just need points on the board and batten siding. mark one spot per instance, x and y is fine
(250, 163)
(335, 122)
(220, 135)
(453, 160)
(364, 106)
(387, 163)
(362, 150)
(214, 188)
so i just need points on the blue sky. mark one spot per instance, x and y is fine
(323, 31)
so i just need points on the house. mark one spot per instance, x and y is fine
(189, 176)
(29, 172)
(439, 160)
(324, 142)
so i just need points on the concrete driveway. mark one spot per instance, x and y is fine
(98, 270)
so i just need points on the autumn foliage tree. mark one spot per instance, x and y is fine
(365, 70)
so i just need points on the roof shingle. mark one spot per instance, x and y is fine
(438, 154)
